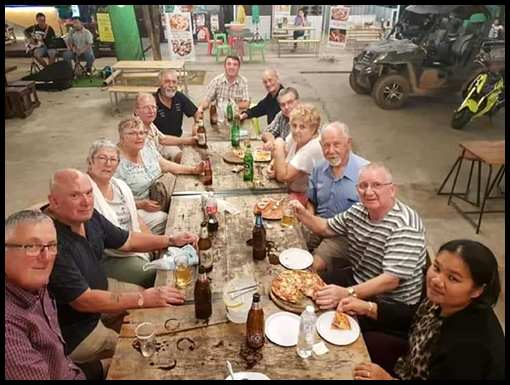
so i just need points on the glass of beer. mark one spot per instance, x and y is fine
(288, 218)
(146, 335)
(182, 272)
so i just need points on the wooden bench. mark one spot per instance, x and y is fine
(314, 43)
(19, 102)
(114, 90)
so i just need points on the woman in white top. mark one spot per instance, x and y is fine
(295, 158)
(114, 200)
(141, 165)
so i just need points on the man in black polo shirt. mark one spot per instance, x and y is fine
(78, 282)
(269, 105)
(172, 106)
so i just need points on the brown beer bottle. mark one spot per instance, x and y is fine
(259, 239)
(208, 173)
(202, 135)
(255, 327)
(205, 249)
(213, 114)
(203, 296)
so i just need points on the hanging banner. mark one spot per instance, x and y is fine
(338, 26)
(125, 29)
(180, 36)
(281, 16)
(104, 26)
(201, 26)
(215, 22)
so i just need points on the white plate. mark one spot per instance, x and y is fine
(249, 376)
(283, 329)
(296, 259)
(335, 336)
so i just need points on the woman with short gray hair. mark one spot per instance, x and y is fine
(114, 200)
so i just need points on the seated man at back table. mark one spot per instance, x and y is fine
(288, 99)
(42, 35)
(269, 105)
(146, 108)
(80, 43)
(78, 283)
(172, 106)
(332, 189)
(228, 86)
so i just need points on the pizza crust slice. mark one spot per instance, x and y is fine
(341, 322)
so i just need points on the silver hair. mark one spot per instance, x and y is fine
(271, 71)
(164, 73)
(25, 216)
(99, 145)
(286, 91)
(341, 127)
(142, 96)
(377, 166)
(129, 122)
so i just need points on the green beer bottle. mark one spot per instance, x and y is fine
(248, 164)
(235, 134)
(230, 112)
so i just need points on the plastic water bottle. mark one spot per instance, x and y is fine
(306, 337)
(221, 111)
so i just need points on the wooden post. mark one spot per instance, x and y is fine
(152, 21)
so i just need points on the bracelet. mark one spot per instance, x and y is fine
(370, 306)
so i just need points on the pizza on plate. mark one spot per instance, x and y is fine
(341, 322)
(292, 286)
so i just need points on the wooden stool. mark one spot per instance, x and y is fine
(18, 101)
(33, 92)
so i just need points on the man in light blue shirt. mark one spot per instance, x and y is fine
(332, 188)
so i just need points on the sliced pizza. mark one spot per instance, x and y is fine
(341, 322)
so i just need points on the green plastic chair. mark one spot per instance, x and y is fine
(259, 47)
(223, 46)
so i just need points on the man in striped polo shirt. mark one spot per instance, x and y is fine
(385, 244)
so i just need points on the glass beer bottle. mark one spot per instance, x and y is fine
(248, 164)
(208, 173)
(230, 112)
(255, 326)
(202, 135)
(205, 248)
(213, 114)
(203, 296)
(235, 134)
(259, 239)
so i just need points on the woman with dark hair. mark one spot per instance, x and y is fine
(300, 21)
(455, 334)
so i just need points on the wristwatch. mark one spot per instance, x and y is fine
(170, 240)
(140, 301)
(352, 292)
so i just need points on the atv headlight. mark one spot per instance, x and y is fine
(381, 57)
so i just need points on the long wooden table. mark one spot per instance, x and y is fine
(224, 180)
(190, 349)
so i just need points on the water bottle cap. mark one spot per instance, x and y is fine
(310, 309)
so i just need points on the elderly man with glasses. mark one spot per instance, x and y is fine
(385, 248)
(34, 347)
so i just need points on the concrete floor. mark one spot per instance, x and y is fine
(416, 142)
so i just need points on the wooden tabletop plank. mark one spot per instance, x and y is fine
(215, 344)
(223, 177)
(232, 257)
(491, 152)
(128, 65)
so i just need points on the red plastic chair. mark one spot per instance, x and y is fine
(210, 42)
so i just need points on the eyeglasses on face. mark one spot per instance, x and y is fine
(104, 159)
(35, 250)
(133, 134)
(363, 186)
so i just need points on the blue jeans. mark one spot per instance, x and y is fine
(88, 56)
(298, 34)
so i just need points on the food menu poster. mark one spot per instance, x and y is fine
(215, 22)
(180, 37)
(281, 15)
(338, 26)
(104, 26)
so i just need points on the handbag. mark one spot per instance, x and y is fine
(162, 189)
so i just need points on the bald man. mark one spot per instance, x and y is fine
(78, 283)
(269, 105)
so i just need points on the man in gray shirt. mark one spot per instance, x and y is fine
(79, 44)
